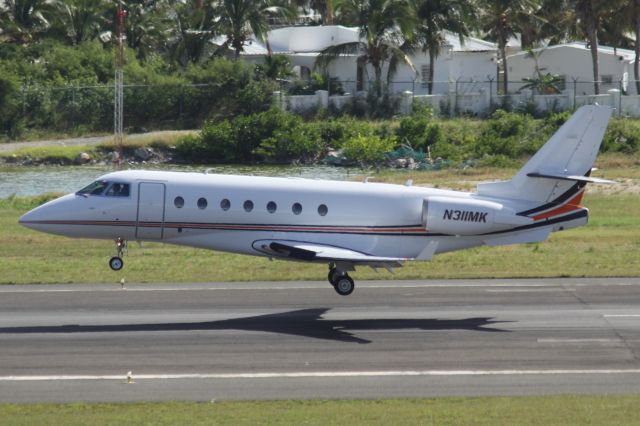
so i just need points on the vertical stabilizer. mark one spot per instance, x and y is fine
(570, 152)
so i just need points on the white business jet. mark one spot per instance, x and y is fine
(342, 224)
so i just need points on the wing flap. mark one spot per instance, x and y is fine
(319, 252)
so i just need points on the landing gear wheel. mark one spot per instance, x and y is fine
(116, 263)
(333, 276)
(344, 285)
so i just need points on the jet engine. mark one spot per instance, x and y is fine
(468, 216)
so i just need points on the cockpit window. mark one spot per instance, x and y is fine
(118, 190)
(95, 188)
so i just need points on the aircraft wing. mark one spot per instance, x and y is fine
(319, 252)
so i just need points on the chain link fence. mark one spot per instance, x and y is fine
(90, 107)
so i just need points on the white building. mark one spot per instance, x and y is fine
(572, 61)
(472, 63)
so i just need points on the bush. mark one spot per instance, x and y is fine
(368, 149)
(336, 131)
(503, 135)
(622, 135)
(273, 135)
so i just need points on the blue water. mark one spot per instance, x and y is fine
(24, 181)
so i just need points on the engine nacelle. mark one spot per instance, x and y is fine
(468, 216)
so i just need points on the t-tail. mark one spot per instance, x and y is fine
(551, 184)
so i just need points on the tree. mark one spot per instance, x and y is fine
(435, 17)
(80, 20)
(146, 25)
(500, 20)
(193, 25)
(384, 27)
(239, 19)
(590, 17)
(23, 20)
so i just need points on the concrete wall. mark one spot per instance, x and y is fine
(479, 103)
(574, 62)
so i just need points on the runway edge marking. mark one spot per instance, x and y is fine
(320, 374)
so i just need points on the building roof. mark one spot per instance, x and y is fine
(314, 39)
(623, 54)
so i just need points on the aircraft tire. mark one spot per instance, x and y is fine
(344, 285)
(332, 277)
(116, 263)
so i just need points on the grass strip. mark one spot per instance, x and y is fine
(563, 410)
(608, 246)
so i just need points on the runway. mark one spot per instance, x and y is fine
(220, 341)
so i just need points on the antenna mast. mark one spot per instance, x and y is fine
(118, 103)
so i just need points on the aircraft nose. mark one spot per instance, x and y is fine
(45, 217)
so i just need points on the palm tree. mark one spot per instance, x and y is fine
(239, 19)
(500, 20)
(636, 30)
(590, 16)
(80, 20)
(384, 27)
(435, 17)
(146, 25)
(22, 20)
(193, 25)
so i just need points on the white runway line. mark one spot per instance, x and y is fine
(622, 316)
(579, 340)
(302, 375)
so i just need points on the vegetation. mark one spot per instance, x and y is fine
(276, 136)
(534, 410)
(56, 56)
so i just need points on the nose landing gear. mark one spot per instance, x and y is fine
(116, 263)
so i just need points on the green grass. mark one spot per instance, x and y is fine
(65, 154)
(608, 246)
(547, 410)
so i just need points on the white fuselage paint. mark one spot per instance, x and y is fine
(371, 218)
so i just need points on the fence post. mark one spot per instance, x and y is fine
(490, 94)
(24, 100)
(73, 106)
(620, 100)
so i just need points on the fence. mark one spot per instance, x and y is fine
(477, 98)
(91, 107)
(187, 106)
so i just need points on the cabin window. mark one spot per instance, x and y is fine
(95, 188)
(248, 205)
(178, 202)
(272, 207)
(118, 190)
(202, 203)
(225, 204)
(323, 210)
(296, 208)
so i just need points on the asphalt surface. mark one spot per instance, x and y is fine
(301, 340)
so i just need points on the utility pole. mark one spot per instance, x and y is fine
(118, 135)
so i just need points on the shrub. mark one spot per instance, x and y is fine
(622, 135)
(503, 134)
(368, 149)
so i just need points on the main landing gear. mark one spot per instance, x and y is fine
(116, 263)
(341, 281)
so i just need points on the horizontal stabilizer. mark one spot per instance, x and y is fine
(586, 179)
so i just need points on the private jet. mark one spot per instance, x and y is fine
(342, 224)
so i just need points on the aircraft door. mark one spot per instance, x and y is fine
(150, 220)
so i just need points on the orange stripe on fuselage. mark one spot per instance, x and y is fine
(572, 205)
